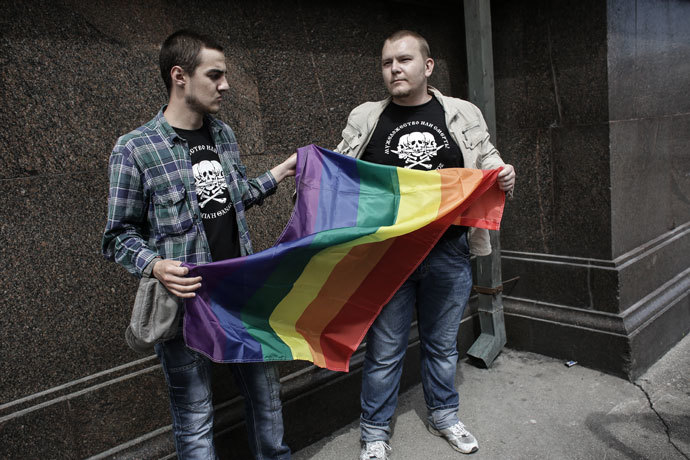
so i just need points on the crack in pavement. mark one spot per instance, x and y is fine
(666, 427)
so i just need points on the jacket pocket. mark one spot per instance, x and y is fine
(352, 137)
(473, 135)
(172, 214)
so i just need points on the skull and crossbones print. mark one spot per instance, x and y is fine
(210, 182)
(416, 149)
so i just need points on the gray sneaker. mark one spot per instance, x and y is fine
(458, 437)
(377, 450)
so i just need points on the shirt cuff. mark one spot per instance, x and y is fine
(268, 182)
(144, 258)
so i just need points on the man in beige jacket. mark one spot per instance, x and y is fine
(418, 127)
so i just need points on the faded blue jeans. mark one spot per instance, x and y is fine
(188, 375)
(440, 288)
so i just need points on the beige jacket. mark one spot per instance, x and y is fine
(465, 124)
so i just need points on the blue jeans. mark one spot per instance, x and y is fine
(440, 288)
(188, 375)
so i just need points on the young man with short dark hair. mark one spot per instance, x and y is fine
(178, 193)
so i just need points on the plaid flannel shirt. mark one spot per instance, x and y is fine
(153, 209)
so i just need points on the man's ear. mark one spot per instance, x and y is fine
(428, 67)
(178, 76)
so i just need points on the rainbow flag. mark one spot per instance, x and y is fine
(357, 232)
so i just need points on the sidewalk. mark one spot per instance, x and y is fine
(528, 406)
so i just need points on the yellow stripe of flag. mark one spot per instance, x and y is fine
(420, 198)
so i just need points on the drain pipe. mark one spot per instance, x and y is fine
(480, 82)
(489, 287)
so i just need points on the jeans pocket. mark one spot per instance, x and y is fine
(458, 246)
(189, 382)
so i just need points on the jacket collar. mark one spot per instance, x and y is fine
(430, 89)
(374, 115)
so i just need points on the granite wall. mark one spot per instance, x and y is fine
(592, 107)
(76, 75)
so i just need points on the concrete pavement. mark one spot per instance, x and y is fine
(529, 406)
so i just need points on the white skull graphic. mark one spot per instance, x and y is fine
(204, 173)
(417, 148)
(218, 169)
(403, 146)
(417, 143)
(210, 181)
(429, 141)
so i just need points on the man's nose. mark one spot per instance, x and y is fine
(224, 85)
(395, 66)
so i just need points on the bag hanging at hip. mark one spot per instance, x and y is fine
(155, 316)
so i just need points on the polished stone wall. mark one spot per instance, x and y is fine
(592, 109)
(649, 51)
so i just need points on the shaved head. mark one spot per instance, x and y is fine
(421, 41)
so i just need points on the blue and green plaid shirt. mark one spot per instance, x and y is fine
(153, 209)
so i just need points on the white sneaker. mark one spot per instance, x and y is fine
(376, 450)
(458, 437)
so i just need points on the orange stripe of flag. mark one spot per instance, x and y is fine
(346, 276)
(487, 210)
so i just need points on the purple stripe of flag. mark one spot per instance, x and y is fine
(308, 178)
(339, 189)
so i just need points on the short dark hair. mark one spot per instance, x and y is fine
(182, 48)
(423, 45)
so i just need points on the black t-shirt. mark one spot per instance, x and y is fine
(413, 137)
(217, 211)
